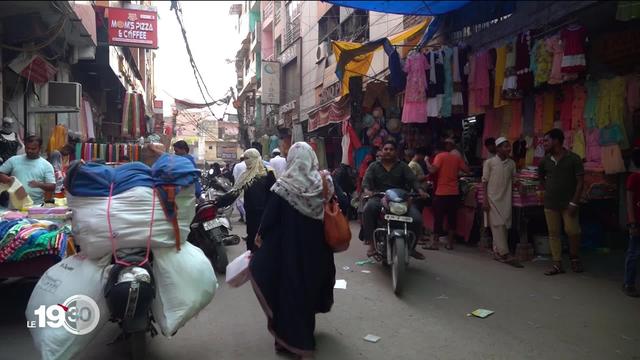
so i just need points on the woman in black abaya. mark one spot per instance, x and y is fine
(293, 271)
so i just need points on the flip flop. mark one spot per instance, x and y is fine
(430, 247)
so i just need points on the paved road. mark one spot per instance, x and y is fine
(536, 317)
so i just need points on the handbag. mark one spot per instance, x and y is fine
(337, 233)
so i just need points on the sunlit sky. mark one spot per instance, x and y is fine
(213, 38)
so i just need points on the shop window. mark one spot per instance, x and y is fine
(329, 25)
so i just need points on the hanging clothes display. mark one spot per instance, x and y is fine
(554, 45)
(525, 76)
(566, 107)
(591, 105)
(435, 90)
(501, 59)
(415, 99)
(397, 77)
(577, 108)
(448, 83)
(516, 128)
(457, 99)
(548, 111)
(543, 59)
(481, 81)
(510, 82)
(579, 145)
(528, 115)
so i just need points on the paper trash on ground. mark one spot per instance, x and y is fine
(481, 313)
(340, 284)
(366, 271)
(372, 338)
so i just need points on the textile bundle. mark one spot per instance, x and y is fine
(27, 238)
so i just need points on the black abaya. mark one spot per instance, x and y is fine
(293, 274)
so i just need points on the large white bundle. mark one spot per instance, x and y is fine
(76, 275)
(185, 283)
(131, 214)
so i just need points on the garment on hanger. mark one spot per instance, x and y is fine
(415, 99)
(457, 99)
(591, 104)
(577, 108)
(539, 114)
(448, 82)
(573, 40)
(528, 114)
(525, 77)
(481, 81)
(397, 76)
(510, 82)
(579, 145)
(544, 61)
(501, 59)
(554, 45)
(516, 128)
(566, 107)
(612, 161)
(548, 111)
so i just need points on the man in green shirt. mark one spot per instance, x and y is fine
(561, 173)
(382, 175)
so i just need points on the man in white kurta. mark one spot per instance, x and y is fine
(497, 179)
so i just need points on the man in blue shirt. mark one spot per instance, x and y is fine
(181, 148)
(34, 172)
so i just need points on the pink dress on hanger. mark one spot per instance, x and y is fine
(573, 39)
(415, 98)
(554, 45)
(481, 81)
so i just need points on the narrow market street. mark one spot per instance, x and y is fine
(571, 316)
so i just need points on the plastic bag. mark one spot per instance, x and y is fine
(238, 270)
(75, 275)
(185, 284)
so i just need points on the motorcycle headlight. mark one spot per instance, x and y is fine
(398, 208)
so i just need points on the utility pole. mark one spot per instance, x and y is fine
(244, 132)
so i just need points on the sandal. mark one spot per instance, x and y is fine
(576, 265)
(375, 256)
(555, 270)
(448, 247)
(514, 262)
(430, 247)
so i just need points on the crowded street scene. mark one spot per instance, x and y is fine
(319, 180)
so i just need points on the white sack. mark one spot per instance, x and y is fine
(76, 275)
(130, 219)
(185, 284)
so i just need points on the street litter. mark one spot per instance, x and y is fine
(482, 313)
(340, 284)
(365, 271)
(442, 297)
(364, 262)
(372, 338)
(346, 268)
(556, 297)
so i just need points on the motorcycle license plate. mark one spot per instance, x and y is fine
(211, 224)
(406, 219)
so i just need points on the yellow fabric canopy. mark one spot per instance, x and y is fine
(360, 64)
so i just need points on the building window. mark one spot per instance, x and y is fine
(290, 82)
(292, 28)
(278, 46)
(329, 27)
(355, 27)
(210, 147)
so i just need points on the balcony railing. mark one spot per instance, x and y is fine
(268, 10)
(292, 33)
(276, 16)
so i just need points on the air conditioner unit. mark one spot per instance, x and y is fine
(322, 51)
(59, 97)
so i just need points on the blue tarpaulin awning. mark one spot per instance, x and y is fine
(422, 8)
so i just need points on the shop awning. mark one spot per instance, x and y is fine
(335, 112)
(354, 59)
(422, 8)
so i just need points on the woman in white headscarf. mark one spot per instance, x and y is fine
(255, 183)
(293, 271)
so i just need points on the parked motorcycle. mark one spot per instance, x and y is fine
(130, 290)
(210, 232)
(393, 239)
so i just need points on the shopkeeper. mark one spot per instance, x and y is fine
(35, 173)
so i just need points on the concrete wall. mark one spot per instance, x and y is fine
(309, 32)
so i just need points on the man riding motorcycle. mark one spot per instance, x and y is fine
(382, 175)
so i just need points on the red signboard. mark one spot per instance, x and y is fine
(133, 28)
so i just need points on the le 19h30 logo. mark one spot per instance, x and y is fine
(79, 315)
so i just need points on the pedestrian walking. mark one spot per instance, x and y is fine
(633, 218)
(293, 271)
(255, 183)
(238, 170)
(278, 163)
(562, 175)
(497, 180)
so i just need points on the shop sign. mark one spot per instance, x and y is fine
(133, 28)
(270, 82)
(330, 92)
(227, 152)
(287, 107)
(289, 54)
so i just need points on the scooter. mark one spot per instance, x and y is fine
(393, 239)
(130, 290)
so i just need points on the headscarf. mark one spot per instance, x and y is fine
(255, 170)
(301, 184)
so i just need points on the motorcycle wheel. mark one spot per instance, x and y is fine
(399, 265)
(221, 261)
(138, 345)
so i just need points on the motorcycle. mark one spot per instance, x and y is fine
(210, 227)
(393, 239)
(130, 290)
